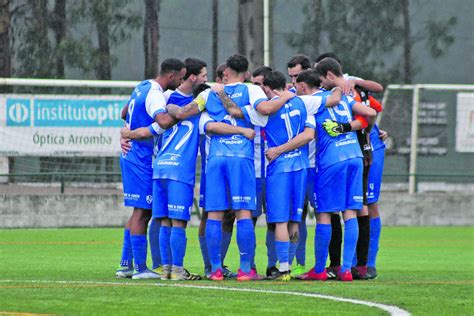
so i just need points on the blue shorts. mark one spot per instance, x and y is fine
(230, 184)
(375, 176)
(339, 186)
(285, 196)
(173, 199)
(261, 203)
(310, 185)
(137, 184)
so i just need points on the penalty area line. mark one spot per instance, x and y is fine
(391, 309)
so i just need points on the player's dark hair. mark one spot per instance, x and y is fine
(310, 77)
(328, 64)
(193, 67)
(171, 65)
(328, 54)
(237, 63)
(220, 71)
(200, 89)
(261, 71)
(275, 80)
(300, 59)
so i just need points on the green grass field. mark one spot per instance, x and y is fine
(71, 271)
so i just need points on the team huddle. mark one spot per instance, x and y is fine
(265, 146)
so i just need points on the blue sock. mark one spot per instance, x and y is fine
(301, 250)
(322, 238)
(154, 241)
(226, 238)
(354, 260)
(165, 249)
(292, 251)
(205, 254)
(271, 250)
(127, 254)
(246, 243)
(139, 248)
(282, 251)
(178, 245)
(214, 242)
(351, 233)
(375, 228)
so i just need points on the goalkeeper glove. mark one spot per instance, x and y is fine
(335, 128)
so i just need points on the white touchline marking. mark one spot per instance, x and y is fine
(392, 310)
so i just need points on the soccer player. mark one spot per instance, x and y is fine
(146, 105)
(352, 87)
(286, 174)
(229, 216)
(296, 65)
(231, 165)
(339, 175)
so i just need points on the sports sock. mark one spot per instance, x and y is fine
(363, 240)
(165, 249)
(226, 238)
(282, 251)
(271, 251)
(301, 250)
(246, 242)
(154, 241)
(178, 245)
(336, 241)
(321, 245)
(375, 229)
(214, 242)
(139, 248)
(351, 232)
(205, 254)
(292, 251)
(127, 254)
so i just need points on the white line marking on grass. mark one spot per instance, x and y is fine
(393, 310)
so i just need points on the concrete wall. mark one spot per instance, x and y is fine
(33, 211)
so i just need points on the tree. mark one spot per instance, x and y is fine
(58, 25)
(114, 21)
(151, 37)
(250, 31)
(368, 35)
(5, 38)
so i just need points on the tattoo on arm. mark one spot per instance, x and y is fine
(230, 106)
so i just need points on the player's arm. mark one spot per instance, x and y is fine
(369, 85)
(229, 105)
(220, 128)
(334, 98)
(269, 107)
(139, 133)
(366, 117)
(123, 113)
(299, 140)
(165, 120)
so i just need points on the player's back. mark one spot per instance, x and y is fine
(142, 107)
(331, 150)
(233, 145)
(176, 158)
(289, 121)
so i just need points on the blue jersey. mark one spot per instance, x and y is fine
(289, 121)
(376, 142)
(233, 145)
(176, 158)
(145, 103)
(331, 150)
